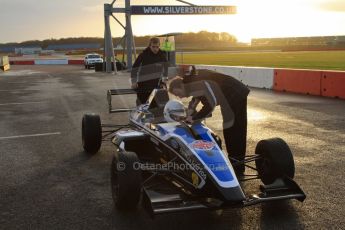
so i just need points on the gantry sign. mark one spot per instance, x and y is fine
(129, 45)
(182, 10)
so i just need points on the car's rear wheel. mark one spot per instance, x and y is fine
(91, 133)
(276, 160)
(126, 180)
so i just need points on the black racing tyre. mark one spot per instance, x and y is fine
(276, 160)
(85, 66)
(91, 133)
(126, 180)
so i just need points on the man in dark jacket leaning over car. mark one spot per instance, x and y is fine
(149, 68)
(211, 89)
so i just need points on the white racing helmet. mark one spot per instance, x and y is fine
(174, 111)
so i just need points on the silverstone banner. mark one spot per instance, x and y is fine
(166, 10)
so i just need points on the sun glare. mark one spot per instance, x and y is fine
(254, 19)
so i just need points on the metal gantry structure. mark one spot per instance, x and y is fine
(128, 38)
(109, 54)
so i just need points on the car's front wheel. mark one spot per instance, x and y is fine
(125, 180)
(91, 132)
(276, 160)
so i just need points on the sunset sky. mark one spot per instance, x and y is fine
(22, 20)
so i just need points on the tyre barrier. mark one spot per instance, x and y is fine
(99, 67)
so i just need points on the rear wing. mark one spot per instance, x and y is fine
(114, 92)
(158, 98)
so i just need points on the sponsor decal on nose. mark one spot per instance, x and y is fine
(202, 145)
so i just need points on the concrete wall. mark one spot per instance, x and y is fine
(51, 62)
(250, 76)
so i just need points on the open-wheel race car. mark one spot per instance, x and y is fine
(169, 165)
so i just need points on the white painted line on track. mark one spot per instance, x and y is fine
(22, 103)
(10, 90)
(29, 135)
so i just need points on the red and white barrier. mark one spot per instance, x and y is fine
(313, 82)
(322, 83)
(47, 62)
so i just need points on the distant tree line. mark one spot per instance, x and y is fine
(196, 39)
(185, 40)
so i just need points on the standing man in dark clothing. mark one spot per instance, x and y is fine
(212, 89)
(149, 68)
